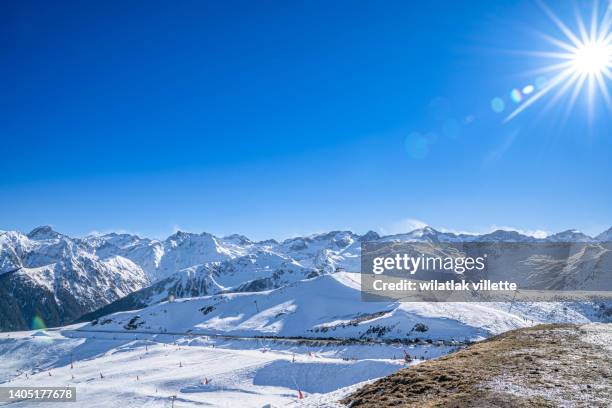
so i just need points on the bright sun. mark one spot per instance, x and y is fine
(592, 58)
(582, 60)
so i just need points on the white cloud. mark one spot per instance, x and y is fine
(177, 228)
(97, 233)
(531, 233)
(402, 226)
(458, 232)
(410, 224)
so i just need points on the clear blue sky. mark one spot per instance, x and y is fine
(289, 117)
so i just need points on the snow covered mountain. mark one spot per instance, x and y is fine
(570, 236)
(254, 272)
(428, 234)
(159, 259)
(50, 277)
(605, 236)
(58, 278)
(327, 252)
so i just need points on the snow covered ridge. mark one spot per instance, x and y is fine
(159, 259)
(58, 278)
(330, 306)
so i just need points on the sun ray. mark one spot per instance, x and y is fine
(573, 79)
(564, 29)
(559, 43)
(606, 24)
(603, 88)
(576, 91)
(547, 88)
(594, 19)
(591, 97)
(546, 54)
(584, 36)
(549, 68)
(564, 88)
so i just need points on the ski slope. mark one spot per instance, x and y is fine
(134, 370)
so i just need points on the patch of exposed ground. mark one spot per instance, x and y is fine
(541, 366)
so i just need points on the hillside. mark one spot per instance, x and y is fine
(541, 366)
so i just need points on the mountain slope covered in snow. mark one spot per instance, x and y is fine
(49, 279)
(330, 306)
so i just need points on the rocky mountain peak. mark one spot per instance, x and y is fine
(43, 232)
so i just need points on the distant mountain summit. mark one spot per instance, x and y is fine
(43, 233)
(570, 236)
(605, 236)
(505, 236)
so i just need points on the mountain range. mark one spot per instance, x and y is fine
(50, 279)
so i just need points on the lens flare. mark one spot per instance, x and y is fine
(583, 60)
(540, 82)
(498, 105)
(38, 323)
(516, 96)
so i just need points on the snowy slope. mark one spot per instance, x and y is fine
(139, 370)
(330, 306)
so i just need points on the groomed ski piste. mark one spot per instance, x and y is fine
(306, 344)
